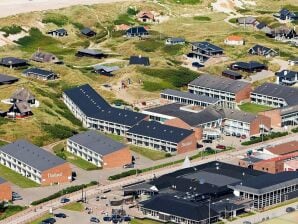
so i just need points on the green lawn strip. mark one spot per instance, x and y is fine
(144, 221)
(246, 214)
(253, 108)
(11, 210)
(282, 204)
(188, 2)
(202, 18)
(2, 143)
(265, 138)
(16, 178)
(75, 206)
(39, 220)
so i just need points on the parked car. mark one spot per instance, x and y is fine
(107, 219)
(60, 215)
(129, 165)
(199, 146)
(243, 137)
(197, 65)
(103, 197)
(208, 149)
(48, 221)
(221, 147)
(246, 222)
(207, 141)
(238, 135)
(64, 200)
(94, 220)
(227, 134)
(126, 219)
(290, 209)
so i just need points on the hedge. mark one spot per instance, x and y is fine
(65, 191)
(265, 138)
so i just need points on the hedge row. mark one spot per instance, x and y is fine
(265, 138)
(65, 191)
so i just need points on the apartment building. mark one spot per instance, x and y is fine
(189, 98)
(5, 190)
(95, 113)
(99, 150)
(154, 135)
(275, 95)
(35, 163)
(268, 189)
(227, 90)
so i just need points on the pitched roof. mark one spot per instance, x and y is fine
(106, 68)
(148, 14)
(259, 49)
(7, 79)
(139, 60)
(160, 131)
(39, 72)
(232, 73)
(86, 31)
(285, 148)
(7, 61)
(61, 30)
(32, 155)
(287, 74)
(188, 95)
(204, 45)
(246, 20)
(137, 30)
(22, 94)
(289, 94)
(175, 39)
(219, 83)
(261, 25)
(97, 142)
(251, 65)
(237, 115)
(90, 51)
(23, 107)
(179, 207)
(94, 106)
(44, 57)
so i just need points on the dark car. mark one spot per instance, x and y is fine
(126, 219)
(197, 65)
(207, 141)
(199, 146)
(290, 209)
(221, 147)
(60, 215)
(130, 165)
(64, 200)
(107, 219)
(209, 149)
(48, 221)
(94, 220)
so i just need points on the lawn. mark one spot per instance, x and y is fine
(144, 221)
(16, 178)
(11, 210)
(253, 108)
(39, 220)
(2, 143)
(76, 206)
(149, 153)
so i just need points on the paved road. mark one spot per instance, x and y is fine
(30, 214)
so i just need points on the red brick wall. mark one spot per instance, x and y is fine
(255, 125)
(117, 159)
(5, 192)
(177, 122)
(274, 115)
(243, 94)
(270, 166)
(188, 144)
(58, 174)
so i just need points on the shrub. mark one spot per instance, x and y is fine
(57, 19)
(124, 174)
(132, 11)
(202, 18)
(265, 138)
(65, 191)
(14, 29)
(58, 131)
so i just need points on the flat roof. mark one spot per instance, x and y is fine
(289, 94)
(97, 142)
(32, 155)
(192, 96)
(219, 83)
(94, 106)
(157, 130)
(7, 78)
(252, 159)
(284, 148)
(267, 182)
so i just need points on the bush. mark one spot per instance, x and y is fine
(295, 130)
(124, 174)
(57, 19)
(265, 138)
(14, 29)
(132, 11)
(202, 18)
(58, 131)
(65, 191)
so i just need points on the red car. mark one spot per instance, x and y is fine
(221, 147)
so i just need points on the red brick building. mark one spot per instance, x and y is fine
(5, 190)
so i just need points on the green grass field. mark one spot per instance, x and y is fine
(11, 210)
(39, 220)
(253, 108)
(143, 221)
(16, 178)
(76, 206)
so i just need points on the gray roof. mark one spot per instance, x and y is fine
(176, 39)
(201, 98)
(204, 45)
(23, 107)
(246, 20)
(39, 72)
(90, 51)
(97, 142)
(289, 94)
(106, 68)
(32, 155)
(22, 94)
(44, 57)
(7, 79)
(251, 159)
(289, 110)
(267, 182)
(191, 118)
(219, 83)
(237, 115)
